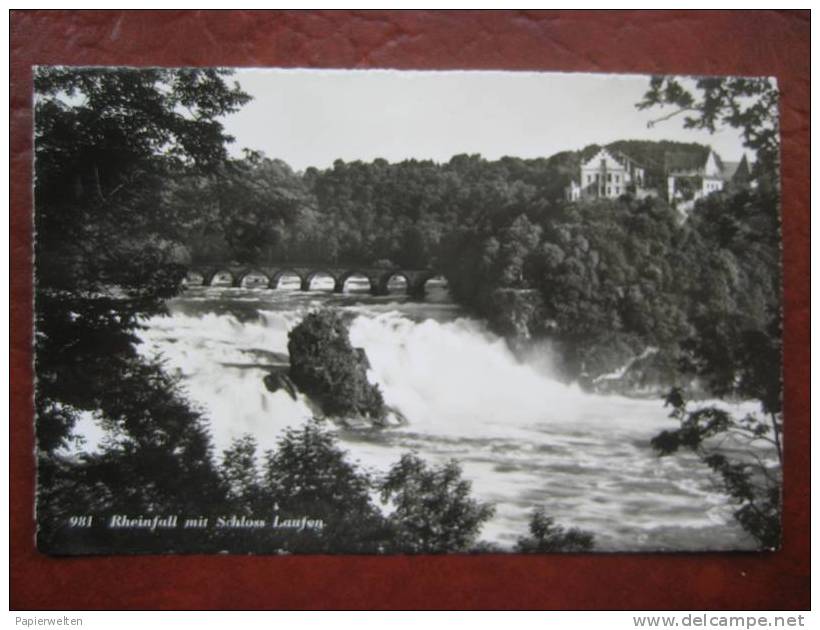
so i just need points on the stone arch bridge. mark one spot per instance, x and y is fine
(271, 275)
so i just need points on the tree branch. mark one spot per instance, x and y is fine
(652, 123)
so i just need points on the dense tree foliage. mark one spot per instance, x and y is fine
(306, 475)
(250, 210)
(745, 103)
(304, 496)
(430, 509)
(737, 342)
(613, 277)
(107, 252)
(750, 475)
(433, 511)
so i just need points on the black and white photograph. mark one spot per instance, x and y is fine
(295, 311)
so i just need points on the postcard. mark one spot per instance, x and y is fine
(389, 312)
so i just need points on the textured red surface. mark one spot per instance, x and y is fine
(754, 43)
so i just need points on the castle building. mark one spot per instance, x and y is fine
(690, 177)
(607, 175)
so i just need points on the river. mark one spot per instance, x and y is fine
(523, 438)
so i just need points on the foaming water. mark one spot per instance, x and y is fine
(525, 440)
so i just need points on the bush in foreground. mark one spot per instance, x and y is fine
(434, 511)
(547, 537)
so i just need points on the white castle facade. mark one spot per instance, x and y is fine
(688, 177)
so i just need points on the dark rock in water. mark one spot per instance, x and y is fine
(278, 380)
(326, 367)
(332, 375)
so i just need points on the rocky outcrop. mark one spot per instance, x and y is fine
(327, 368)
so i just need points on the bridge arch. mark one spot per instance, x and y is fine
(251, 273)
(349, 275)
(382, 286)
(220, 278)
(381, 280)
(277, 277)
(314, 274)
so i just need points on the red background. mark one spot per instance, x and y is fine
(754, 43)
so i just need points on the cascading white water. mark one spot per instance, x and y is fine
(524, 439)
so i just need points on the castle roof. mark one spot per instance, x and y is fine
(685, 161)
(693, 163)
(729, 170)
(627, 158)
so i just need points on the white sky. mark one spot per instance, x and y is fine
(312, 117)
